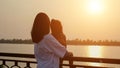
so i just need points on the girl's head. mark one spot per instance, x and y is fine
(56, 26)
(40, 27)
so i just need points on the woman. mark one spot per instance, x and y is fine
(47, 49)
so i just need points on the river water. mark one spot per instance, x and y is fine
(78, 50)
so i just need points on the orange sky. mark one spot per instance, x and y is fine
(93, 19)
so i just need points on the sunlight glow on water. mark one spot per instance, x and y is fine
(94, 51)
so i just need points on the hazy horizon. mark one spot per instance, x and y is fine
(82, 19)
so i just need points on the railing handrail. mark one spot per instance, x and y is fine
(17, 55)
(84, 59)
(99, 60)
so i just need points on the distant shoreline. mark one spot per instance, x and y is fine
(68, 42)
(74, 44)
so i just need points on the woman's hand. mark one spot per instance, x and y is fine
(68, 54)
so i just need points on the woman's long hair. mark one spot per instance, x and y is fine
(41, 27)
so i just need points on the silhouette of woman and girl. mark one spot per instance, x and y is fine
(48, 47)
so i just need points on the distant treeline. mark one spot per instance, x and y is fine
(69, 42)
(92, 42)
(19, 41)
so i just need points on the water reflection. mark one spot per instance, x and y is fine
(95, 51)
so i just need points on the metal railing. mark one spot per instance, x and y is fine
(69, 59)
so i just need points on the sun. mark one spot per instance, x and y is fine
(94, 6)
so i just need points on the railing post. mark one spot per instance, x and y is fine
(71, 62)
(27, 65)
(16, 65)
(4, 64)
(61, 62)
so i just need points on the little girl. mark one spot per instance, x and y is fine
(57, 31)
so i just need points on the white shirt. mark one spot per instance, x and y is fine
(48, 51)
